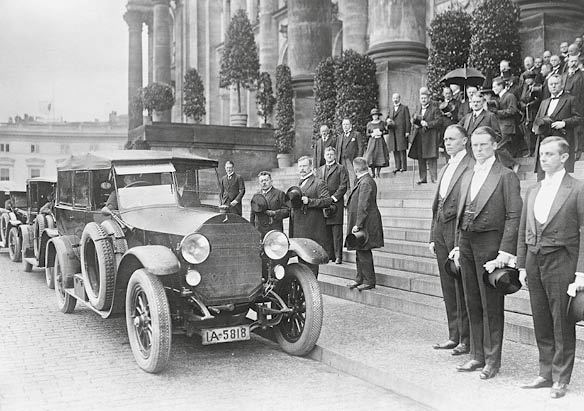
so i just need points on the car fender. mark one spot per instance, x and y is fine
(64, 246)
(46, 236)
(26, 235)
(309, 250)
(14, 221)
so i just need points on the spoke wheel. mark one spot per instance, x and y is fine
(14, 245)
(148, 321)
(65, 301)
(298, 332)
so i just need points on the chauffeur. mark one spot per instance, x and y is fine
(488, 217)
(549, 252)
(232, 188)
(277, 210)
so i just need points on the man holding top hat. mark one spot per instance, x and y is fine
(307, 218)
(549, 254)
(488, 217)
(364, 225)
(268, 206)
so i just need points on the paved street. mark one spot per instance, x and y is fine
(50, 360)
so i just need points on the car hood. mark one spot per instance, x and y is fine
(171, 220)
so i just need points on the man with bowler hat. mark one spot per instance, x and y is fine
(276, 209)
(442, 234)
(231, 189)
(364, 219)
(549, 254)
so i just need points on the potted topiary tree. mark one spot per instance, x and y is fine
(265, 100)
(240, 65)
(157, 98)
(284, 116)
(194, 96)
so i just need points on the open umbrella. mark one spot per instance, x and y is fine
(465, 76)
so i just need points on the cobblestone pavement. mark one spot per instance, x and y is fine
(50, 360)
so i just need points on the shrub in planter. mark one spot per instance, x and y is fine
(284, 110)
(265, 100)
(157, 97)
(194, 96)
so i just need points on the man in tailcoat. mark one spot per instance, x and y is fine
(557, 115)
(231, 189)
(326, 140)
(349, 146)
(488, 217)
(399, 126)
(273, 217)
(308, 220)
(549, 254)
(363, 215)
(507, 114)
(426, 129)
(336, 178)
(442, 234)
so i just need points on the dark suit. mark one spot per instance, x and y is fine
(349, 146)
(567, 111)
(232, 189)
(508, 114)
(487, 224)
(318, 152)
(308, 221)
(574, 86)
(362, 212)
(336, 179)
(529, 104)
(484, 119)
(442, 234)
(426, 141)
(276, 200)
(396, 136)
(551, 259)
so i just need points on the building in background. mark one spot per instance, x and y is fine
(184, 34)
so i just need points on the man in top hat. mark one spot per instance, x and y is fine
(308, 220)
(557, 115)
(349, 146)
(425, 135)
(231, 188)
(488, 217)
(276, 209)
(364, 218)
(336, 178)
(549, 253)
(398, 126)
(511, 82)
(442, 234)
(326, 140)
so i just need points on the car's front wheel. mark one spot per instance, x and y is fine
(148, 321)
(298, 332)
(14, 245)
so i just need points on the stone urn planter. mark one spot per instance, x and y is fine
(239, 119)
(284, 160)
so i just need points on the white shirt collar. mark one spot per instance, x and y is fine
(268, 190)
(457, 157)
(361, 174)
(307, 175)
(477, 113)
(486, 165)
(229, 175)
(502, 92)
(554, 179)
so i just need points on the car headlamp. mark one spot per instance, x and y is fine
(276, 244)
(195, 248)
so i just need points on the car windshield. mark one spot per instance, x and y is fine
(19, 200)
(197, 186)
(147, 195)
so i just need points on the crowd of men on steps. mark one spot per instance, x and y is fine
(480, 222)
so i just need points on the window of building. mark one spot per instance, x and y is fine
(4, 174)
(5, 148)
(34, 148)
(35, 172)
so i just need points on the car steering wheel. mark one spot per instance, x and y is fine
(137, 183)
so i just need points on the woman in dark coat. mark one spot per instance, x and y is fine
(377, 154)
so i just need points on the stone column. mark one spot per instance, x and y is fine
(268, 38)
(134, 21)
(354, 17)
(150, 51)
(179, 62)
(309, 42)
(397, 44)
(161, 21)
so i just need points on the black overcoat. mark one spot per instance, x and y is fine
(362, 212)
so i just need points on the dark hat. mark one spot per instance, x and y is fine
(358, 239)
(576, 307)
(542, 125)
(329, 211)
(417, 120)
(374, 111)
(529, 74)
(259, 204)
(447, 107)
(505, 279)
(294, 196)
(487, 92)
(452, 269)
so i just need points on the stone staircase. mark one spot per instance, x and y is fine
(407, 273)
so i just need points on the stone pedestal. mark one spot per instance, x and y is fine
(309, 42)
(161, 21)
(354, 17)
(134, 20)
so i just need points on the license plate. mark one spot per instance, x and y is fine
(227, 334)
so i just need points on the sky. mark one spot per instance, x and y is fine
(73, 53)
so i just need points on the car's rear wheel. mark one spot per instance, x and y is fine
(38, 227)
(65, 301)
(97, 266)
(298, 332)
(14, 245)
(4, 227)
(148, 321)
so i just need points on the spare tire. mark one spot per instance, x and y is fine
(39, 225)
(97, 266)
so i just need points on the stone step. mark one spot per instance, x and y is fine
(402, 262)
(408, 234)
(409, 222)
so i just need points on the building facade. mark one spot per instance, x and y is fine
(185, 34)
(34, 149)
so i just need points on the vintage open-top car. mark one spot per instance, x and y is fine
(12, 214)
(141, 233)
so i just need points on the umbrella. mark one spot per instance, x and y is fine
(466, 76)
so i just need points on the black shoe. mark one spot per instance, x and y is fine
(469, 366)
(421, 182)
(354, 284)
(338, 261)
(488, 372)
(448, 345)
(364, 287)
(539, 382)
(403, 170)
(558, 390)
(395, 171)
(461, 349)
